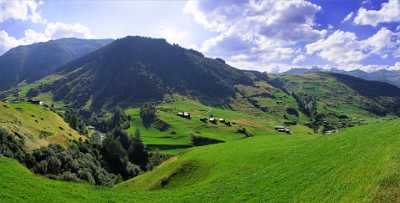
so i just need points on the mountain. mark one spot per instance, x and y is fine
(300, 71)
(341, 93)
(32, 62)
(388, 76)
(134, 70)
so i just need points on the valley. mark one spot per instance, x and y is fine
(138, 119)
(302, 167)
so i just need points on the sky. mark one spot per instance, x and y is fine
(263, 35)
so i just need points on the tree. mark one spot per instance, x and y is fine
(148, 114)
(137, 151)
(120, 119)
(114, 154)
(75, 122)
(122, 137)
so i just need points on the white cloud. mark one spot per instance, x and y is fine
(20, 10)
(6, 41)
(60, 30)
(345, 47)
(51, 31)
(256, 32)
(348, 17)
(299, 59)
(389, 12)
(175, 35)
(395, 67)
(28, 10)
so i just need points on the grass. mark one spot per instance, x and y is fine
(359, 164)
(332, 95)
(177, 138)
(37, 124)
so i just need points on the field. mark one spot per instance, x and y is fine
(177, 138)
(359, 164)
(37, 124)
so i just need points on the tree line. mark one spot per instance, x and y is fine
(119, 157)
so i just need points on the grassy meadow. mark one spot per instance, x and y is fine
(37, 124)
(359, 164)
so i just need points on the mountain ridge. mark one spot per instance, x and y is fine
(387, 76)
(32, 62)
(139, 69)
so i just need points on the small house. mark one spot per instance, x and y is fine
(329, 132)
(283, 129)
(34, 101)
(212, 120)
(184, 115)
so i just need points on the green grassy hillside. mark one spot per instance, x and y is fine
(343, 94)
(177, 137)
(36, 124)
(359, 164)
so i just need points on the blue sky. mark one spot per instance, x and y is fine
(268, 35)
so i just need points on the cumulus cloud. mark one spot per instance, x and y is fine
(20, 10)
(25, 10)
(345, 47)
(395, 67)
(51, 31)
(262, 31)
(389, 12)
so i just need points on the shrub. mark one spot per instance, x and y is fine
(11, 146)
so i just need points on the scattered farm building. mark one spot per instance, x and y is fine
(283, 129)
(184, 115)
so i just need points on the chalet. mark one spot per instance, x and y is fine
(329, 132)
(34, 101)
(184, 115)
(212, 120)
(283, 129)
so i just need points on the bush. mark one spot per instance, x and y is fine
(11, 146)
(245, 132)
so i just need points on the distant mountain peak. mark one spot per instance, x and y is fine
(32, 62)
(134, 69)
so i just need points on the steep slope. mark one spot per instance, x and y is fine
(32, 62)
(342, 94)
(388, 76)
(35, 124)
(134, 70)
(360, 164)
